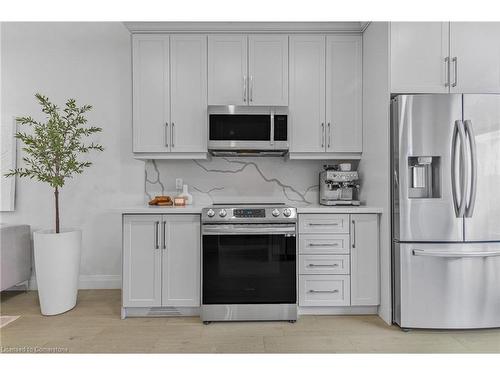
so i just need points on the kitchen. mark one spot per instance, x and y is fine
(287, 200)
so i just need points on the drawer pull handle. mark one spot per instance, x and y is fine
(323, 265)
(323, 224)
(322, 244)
(323, 291)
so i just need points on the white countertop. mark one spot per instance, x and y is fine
(301, 209)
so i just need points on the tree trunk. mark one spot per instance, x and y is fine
(56, 195)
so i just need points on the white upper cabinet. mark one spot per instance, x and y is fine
(248, 70)
(188, 87)
(170, 94)
(344, 71)
(307, 93)
(268, 70)
(227, 69)
(418, 57)
(475, 57)
(151, 93)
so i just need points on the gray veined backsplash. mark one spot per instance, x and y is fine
(237, 179)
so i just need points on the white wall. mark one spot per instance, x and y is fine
(374, 167)
(90, 62)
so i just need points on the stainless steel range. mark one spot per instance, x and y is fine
(249, 262)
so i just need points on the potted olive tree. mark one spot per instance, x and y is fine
(52, 155)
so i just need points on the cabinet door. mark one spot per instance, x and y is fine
(151, 93)
(364, 260)
(268, 69)
(418, 53)
(188, 72)
(141, 261)
(181, 260)
(344, 93)
(227, 70)
(476, 48)
(307, 93)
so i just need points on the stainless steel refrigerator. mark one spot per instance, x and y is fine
(446, 210)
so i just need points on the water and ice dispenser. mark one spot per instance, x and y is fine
(424, 177)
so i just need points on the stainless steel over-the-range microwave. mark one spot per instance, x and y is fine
(246, 130)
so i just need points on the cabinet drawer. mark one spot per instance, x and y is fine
(324, 290)
(323, 223)
(324, 264)
(324, 244)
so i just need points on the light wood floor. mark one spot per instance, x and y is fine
(94, 326)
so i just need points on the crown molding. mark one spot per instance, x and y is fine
(245, 27)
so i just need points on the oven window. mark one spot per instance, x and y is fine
(248, 269)
(240, 127)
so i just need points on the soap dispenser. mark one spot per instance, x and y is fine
(185, 193)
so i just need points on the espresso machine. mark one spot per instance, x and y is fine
(338, 186)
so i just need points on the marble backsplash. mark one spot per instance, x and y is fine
(237, 179)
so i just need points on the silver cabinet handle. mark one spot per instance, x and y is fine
(322, 134)
(323, 291)
(473, 163)
(164, 235)
(455, 71)
(322, 224)
(354, 234)
(172, 136)
(166, 134)
(322, 244)
(456, 254)
(157, 228)
(245, 89)
(251, 88)
(329, 135)
(447, 71)
(322, 265)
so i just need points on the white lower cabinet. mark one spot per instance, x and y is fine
(161, 261)
(338, 260)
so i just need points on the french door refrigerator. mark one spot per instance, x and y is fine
(446, 210)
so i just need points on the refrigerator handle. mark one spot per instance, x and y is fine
(459, 132)
(473, 162)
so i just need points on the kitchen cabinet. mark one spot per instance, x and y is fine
(227, 69)
(418, 53)
(307, 93)
(338, 260)
(170, 94)
(445, 57)
(248, 70)
(325, 108)
(151, 92)
(344, 94)
(475, 57)
(161, 261)
(141, 261)
(365, 283)
(268, 70)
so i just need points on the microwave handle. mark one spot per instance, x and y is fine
(272, 129)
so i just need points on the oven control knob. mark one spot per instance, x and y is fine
(287, 212)
(276, 212)
(222, 213)
(210, 213)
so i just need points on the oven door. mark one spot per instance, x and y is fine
(249, 264)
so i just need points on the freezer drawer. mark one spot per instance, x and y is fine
(448, 285)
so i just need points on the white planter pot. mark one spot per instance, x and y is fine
(57, 267)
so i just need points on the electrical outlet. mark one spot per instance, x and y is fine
(178, 183)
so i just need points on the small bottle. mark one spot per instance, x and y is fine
(185, 193)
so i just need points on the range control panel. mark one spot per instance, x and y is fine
(249, 212)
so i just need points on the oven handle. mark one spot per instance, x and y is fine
(236, 229)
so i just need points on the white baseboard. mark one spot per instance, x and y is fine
(91, 282)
